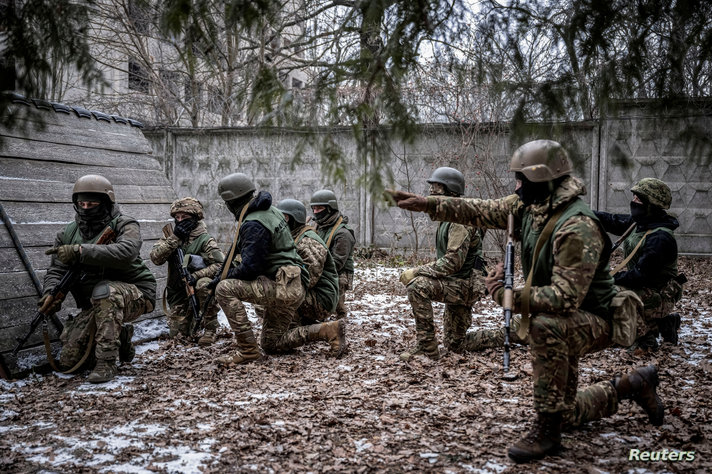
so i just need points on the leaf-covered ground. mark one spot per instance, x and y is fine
(174, 410)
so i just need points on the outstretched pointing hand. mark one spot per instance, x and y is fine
(407, 201)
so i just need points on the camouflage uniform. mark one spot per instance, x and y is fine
(569, 298)
(116, 288)
(200, 243)
(456, 279)
(322, 293)
(652, 270)
(341, 248)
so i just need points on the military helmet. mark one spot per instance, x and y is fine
(189, 205)
(235, 185)
(324, 197)
(451, 178)
(94, 184)
(293, 208)
(654, 191)
(541, 160)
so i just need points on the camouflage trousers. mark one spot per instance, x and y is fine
(180, 316)
(482, 339)
(659, 303)
(458, 296)
(280, 298)
(346, 282)
(557, 343)
(311, 312)
(114, 303)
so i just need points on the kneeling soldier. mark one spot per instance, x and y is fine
(203, 259)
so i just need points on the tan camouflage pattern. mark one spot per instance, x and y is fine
(280, 298)
(313, 255)
(180, 316)
(124, 304)
(654, 191)
(482, 339)
(311, 312)
(560, 333)
(346, 283)
(461, 239)
(189, 205)
(659, 303)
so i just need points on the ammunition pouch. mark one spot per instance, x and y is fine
(627, 322)
(101, 291)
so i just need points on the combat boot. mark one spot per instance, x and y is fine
(127, 352)
(423, 348)
(333, 332)
(543, 439)
(207, 338)
(248, 350)
(639, 386)
(669, 326)
(104, 371)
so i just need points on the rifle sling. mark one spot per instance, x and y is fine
(630, 255)
(90, 348)
(231, 254)
(333, 231)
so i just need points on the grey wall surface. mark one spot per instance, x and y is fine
(634, 144)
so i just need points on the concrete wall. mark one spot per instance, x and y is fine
(634, 144)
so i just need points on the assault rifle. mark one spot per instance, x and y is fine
(57, 295)
(623, 237)
(508, 288)
(177, 258)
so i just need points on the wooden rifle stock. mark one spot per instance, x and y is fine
(623, 237)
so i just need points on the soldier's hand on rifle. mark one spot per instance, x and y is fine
(408, 275)
(192, 281)
(67, 254)
(42, 301)
(183, 229)
(495, 279)
(408, 201)
(213, 284)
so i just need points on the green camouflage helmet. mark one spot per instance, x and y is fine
(93, 184)
(541, 160)
(235, 185)
(324, 197)
(189, 205)
(653, 191)
(451, 178)
(293, 208)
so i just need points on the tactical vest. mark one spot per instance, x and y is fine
(135, 272)
(601, 291)
(324, 232)
(175, 287)
(669, 270)
(282, 250)
(327, 288)
(441, 241)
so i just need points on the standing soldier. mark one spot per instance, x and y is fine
(455, 278)
(339, 238)
(203, 259)
(650, 258)
(569, 290)
(115, 286)
(270, 273)
(322, 293)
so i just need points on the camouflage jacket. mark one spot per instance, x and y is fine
(461, 244)
(578, 244)
(209, 251)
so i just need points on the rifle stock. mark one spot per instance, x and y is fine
(57, 296)
(507, 301)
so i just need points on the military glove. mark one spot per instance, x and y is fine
(183, 229)
(67, 254)
(192, 281)
(408, 275)
(495, 279)
(214, 283)
(408, 201)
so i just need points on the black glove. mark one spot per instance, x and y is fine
(211, 286)
(191, 280)
(183, 228)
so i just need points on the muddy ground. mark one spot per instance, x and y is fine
(174, 410)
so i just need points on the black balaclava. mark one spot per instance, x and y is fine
(235, 205)
(322, 216)
(94, 220)
(533, 193)
(644, 212)
(292, 223)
